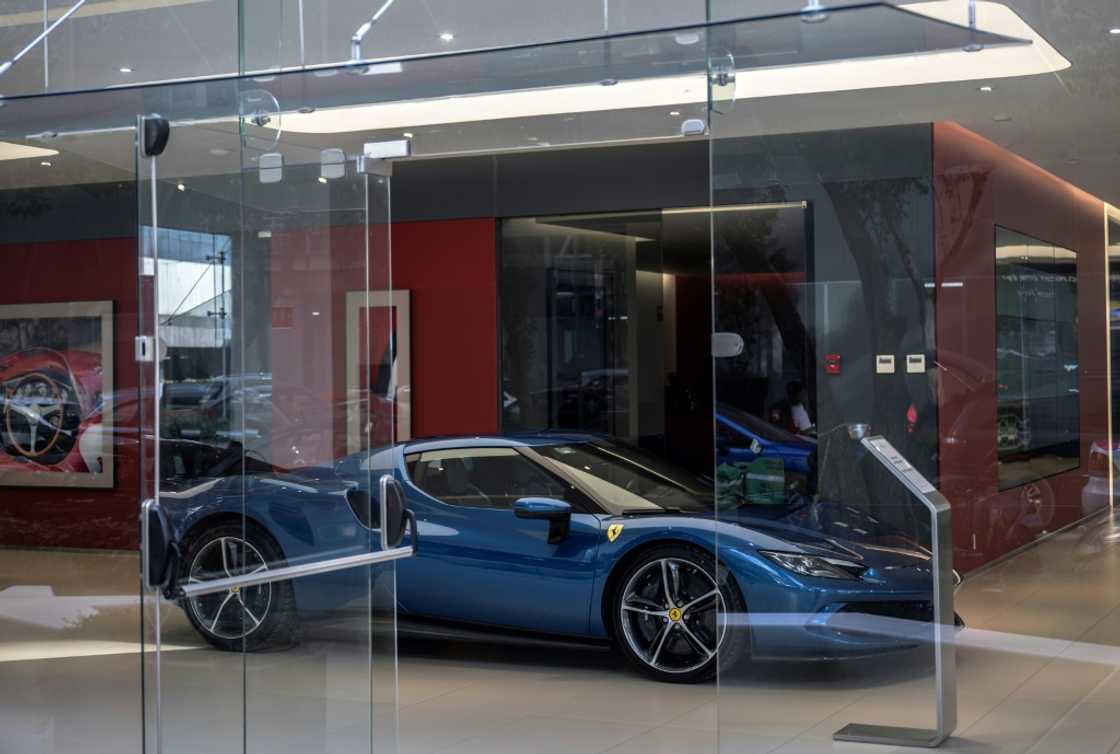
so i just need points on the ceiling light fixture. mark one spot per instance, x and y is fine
(1114, 30)
(447, 36)
(407, 134)
(125, 69)
(45, 163)
(322, 179)
(985, 89)
(180, 186)
(674, 113)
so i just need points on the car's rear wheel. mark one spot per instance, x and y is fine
(253, 617)
(671, 615)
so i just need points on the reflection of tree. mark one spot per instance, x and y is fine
(873, 215)
(747, 244)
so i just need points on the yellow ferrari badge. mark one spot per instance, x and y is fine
(613, 531)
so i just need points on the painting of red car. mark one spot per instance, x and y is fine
(55, 389)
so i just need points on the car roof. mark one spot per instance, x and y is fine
(526, 440)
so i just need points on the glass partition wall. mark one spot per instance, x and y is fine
(745, 380)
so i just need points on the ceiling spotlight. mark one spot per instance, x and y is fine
(986, 89)
(45, 163)
(674, 113)
(314, 314)
(447, 36)
(1114, 30)
(322, 179)
(180, 186)
(125, 69)
(407, 134)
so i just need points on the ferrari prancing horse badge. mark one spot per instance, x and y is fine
(613, 531)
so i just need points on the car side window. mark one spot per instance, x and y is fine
(483, 477)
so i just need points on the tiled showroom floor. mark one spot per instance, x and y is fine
(1038, 672)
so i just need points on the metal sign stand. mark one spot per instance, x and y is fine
(945, 660)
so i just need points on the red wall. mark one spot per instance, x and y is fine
(71, 517)
(450, 269)
(978, 185)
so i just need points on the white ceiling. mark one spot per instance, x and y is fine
(1065, 121)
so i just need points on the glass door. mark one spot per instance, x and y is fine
(269, 346)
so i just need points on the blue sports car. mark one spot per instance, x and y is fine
(565, 535)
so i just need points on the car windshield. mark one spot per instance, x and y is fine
(756, 426)
(626, 480)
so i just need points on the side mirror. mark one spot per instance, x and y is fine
(557, 513)
(394, 516)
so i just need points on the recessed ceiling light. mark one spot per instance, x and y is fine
(322, 179)
(45, 163)
(125, 69)
(674, 113)
(985, 89)
(180, 186)
(1114, 30)
(407, 134)
(447, 36)
(314, 314)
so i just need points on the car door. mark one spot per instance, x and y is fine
(479, 562)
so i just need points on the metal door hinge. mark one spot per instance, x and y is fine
(377, 156)
(145, 349)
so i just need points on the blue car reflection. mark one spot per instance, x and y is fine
(566, 535)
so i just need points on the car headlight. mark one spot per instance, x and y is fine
(813, 565)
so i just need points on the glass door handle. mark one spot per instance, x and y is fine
(159, 553)
(197, 589)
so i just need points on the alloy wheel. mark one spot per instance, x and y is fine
(238, 611)
(671, 615)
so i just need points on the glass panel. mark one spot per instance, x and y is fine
(69, 465)
(110, 44)
(601, 504)
(896, 264)
(277, 416)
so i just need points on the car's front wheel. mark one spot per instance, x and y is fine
(671, 615)
(251, 617)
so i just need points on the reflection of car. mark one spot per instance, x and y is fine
(51, 410)
(741, 437)
(757, 462)
(560, 535)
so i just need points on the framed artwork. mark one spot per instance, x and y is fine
(378, 369)
(56, 395)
